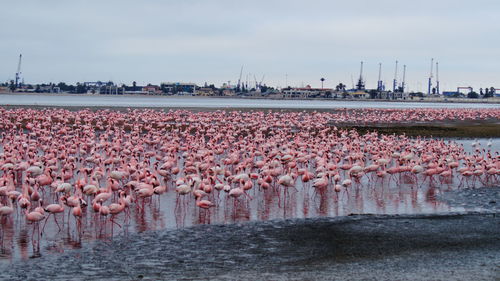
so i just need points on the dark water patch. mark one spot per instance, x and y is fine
(277, 250)
(450, 130)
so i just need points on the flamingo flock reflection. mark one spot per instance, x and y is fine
(91, 172)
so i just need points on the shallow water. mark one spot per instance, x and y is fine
(398, 195)
(425, 247)
(201, 102)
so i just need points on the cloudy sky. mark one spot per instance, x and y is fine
(301, 41)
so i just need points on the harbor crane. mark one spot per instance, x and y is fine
(361, 83)
(379, 83)
(437, 78)
(18, 73)
(395, 81)
(239, 80)
(403, 84)
(429, 89)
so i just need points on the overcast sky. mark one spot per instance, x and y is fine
(198, 41)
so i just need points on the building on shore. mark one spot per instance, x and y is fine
(103, 88)
(357, 94)
(178, 88)
(389, 95)
(307, 92)
(152, 90)
(207, 92)
(110, 90)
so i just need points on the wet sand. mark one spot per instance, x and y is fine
(444, 246)
(364, 247)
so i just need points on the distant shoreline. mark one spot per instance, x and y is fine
(416, 100)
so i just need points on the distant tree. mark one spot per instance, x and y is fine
(81, 88)
(481, 91)
(340, 87)
(322, 81)
(134, 85)
(490, 92)
(12, 86)
(472, 95)
(63, 87)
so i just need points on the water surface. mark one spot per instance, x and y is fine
(204, 102)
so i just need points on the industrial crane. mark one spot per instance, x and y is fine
(262, 80)
(361, 84)
(403, 84)
(437, 78)
(239, 79)
(430, 78)
(18, 73)
(395, 81)
(379, 83)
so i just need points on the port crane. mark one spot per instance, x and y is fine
(437, 78)
(395, 81)
(239, 80)
(18, 73)
(379, 83)
(261, 80)
(361, 83)
(403, 84)
(430, 78)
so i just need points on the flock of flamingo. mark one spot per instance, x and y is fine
(106, 164)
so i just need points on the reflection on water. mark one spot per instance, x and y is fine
(405, 194)
(402, 193)
(188, 102)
